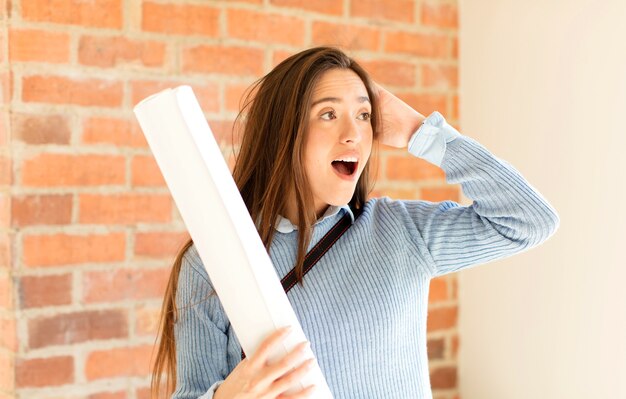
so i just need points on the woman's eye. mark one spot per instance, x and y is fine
(367, 116)
(328, 113)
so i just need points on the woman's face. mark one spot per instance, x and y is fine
(339, 128)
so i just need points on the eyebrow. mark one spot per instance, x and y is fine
(361, 99)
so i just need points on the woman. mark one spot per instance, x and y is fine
(310, 127)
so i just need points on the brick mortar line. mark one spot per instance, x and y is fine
(23, 150)
(437, 363)
(100, 189)
(122, 72)
(51, 271)
(112, 384)
(129, 71)
(86, 347)
(77, 111)
(141, 228)
(443, 304)
(78, 307)
(442, 334)
(163, 37)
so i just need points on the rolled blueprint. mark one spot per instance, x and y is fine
(218, 221)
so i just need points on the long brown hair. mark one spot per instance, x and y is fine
(269, 164)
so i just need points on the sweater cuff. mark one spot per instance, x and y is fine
(430, 139)
(209, 394)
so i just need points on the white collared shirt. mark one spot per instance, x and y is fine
(284, 225)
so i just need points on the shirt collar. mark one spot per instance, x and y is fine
(284, 225)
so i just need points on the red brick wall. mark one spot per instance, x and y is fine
(89, 229)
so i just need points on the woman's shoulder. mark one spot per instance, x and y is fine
(385, 207)
(192, 264)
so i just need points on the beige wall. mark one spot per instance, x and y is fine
(543, 86)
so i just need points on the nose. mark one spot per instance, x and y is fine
(351, 131)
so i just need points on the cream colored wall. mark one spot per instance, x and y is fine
(543, 86)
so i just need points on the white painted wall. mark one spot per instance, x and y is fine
(543, 86)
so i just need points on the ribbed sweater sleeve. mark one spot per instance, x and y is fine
(200, 333)
(507, 216)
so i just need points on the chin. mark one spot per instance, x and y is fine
(341, 200)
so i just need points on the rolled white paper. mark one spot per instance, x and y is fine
(218, 221)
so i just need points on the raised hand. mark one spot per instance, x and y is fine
(399, 120)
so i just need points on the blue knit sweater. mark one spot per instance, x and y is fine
(363, 307)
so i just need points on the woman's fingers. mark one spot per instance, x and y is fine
(259, 359)
(308, 392)
(291, 360)
(287, 380)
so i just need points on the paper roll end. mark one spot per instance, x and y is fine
(176, 90)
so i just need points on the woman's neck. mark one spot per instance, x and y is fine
(291, 211)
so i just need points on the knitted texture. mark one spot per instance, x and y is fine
(363, 307)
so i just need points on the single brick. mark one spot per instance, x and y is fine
(436, 348)
(41, 129)
(225, 60)
(119, 362)
(66, 249)
(92, 13)
(422, 45)
(438, 290)
(63, 170)
(114, 51)
(442, 318)
(444, 377)
(37, 291)
(181, 19)
(76, 327)
(39, 46)
(394, 10)
(41, 209)
(128, 283)
(330, 7)
(77, 91)
(124, 208)
(43, 372)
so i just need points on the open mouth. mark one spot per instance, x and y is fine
(345, 168)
